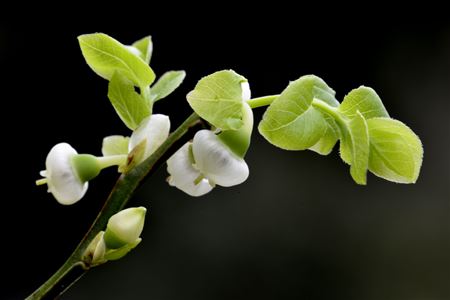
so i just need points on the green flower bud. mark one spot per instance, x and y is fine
(125, 227)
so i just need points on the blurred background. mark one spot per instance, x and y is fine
(299, 227)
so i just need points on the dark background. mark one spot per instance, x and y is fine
(299, 227)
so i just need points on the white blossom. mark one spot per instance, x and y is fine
(209, 163)
(154, 129)
(184, 175)
(61, 178)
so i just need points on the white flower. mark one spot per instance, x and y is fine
(61, 178)
(184, 175)
(155, 130)
(217, 161)
(210, 163)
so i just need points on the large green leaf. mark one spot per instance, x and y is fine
(366, 101)
(145, 46)
(217, 98)
(291, 122)
(106, 56)
(131, 107)
(166, 84)
(395, 150)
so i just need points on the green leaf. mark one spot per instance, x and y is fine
(291, 122)
(345, 146)
(366, 101)
(131, 107)
(326, 143)
(395, 150)
(217, 98)
(106, 56)
(115, 145)
(360, 148)
(166, 84)
(145, 46)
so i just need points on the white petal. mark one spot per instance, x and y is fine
(246, 94)
(216, 161)
(183, 174)
(62, 181)
(155, 129)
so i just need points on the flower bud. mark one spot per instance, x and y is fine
(125, 227)
(95, 252)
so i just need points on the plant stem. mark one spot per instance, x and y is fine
(262, 101)
(111, 160)
(330, 110)
(127, 183)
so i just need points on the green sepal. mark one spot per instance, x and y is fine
(115, 254)
(86, 166)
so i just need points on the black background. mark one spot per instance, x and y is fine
(299, 227)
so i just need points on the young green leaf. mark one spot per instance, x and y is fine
(291, 122)
(366, 101)
(217, 98)
(166, 84)
(115, 145)
(395, 150)
(131, 107)
(360, 148)
(145, 46)
(106, 56)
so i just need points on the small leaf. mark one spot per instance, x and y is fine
(131, 107)
(166, 84)
(366, 101)
(217, 98)
(291, 122)
(360, 148)
(395, 150)
(106, 56)
(115, 145)
(145, 46)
